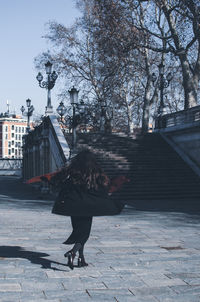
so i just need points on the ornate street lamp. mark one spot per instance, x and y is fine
(61, 110)
(28, 113)
(161, 82)
(49, 84)
(74, 102)
(77, 114)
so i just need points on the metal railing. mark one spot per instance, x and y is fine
(184, 117)
(10, 164)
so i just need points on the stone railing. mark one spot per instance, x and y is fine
(187, 117)
(45, 149)
(181, 130)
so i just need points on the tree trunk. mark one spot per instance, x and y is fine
(190, 84)
(146, 107)
(147, 94)
(130, 119)
(190, 88)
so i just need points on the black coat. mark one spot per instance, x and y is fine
(75, 200)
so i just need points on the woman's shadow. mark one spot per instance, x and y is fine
(33, 257)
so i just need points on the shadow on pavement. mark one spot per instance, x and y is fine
(33, 257)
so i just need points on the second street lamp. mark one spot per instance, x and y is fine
(61, 110)
(78, 113)
(28, 113)
(161, 82)
(49, 84)
(74, 102)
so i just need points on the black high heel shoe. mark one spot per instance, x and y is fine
(71, 257)
(81, 262)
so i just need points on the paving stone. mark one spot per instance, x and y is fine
(10, 296)
(38, 300)
(192, 281)
(32, 295)
(163, 282)
(186, 289)
(154, 291)
(183, 275)
(40, 285)
(67, 294)
(123, 284)
(137, 299)
(110, 293)
(87, 285)
(10, 287)
(180, 298)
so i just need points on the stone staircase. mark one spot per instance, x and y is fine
(155, 169)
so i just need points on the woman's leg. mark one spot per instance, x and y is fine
(81, 258)
(87, 224)
(81, 232)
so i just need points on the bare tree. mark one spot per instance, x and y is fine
(180, 35)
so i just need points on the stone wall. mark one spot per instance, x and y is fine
(185, 139)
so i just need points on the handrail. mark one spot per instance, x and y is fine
(56, 145)
(10, 163)
(187, 116)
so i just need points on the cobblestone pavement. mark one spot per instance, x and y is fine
(143, 256)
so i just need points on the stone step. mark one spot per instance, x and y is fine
(155, 168)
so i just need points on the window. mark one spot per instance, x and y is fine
(19, 129)
(13, 142)
(6, 136)
(9, 152)
(19, 137)
(16, 129)
(6, 128)
(13, 150)
(16, 136)
(13, 127)
(22, 129)
(13, 135)
(9, 144)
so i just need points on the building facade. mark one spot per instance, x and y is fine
(12, 130)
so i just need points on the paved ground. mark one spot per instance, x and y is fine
(140, 255)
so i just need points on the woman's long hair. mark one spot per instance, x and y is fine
(84, 170)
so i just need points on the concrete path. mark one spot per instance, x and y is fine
(143, 256)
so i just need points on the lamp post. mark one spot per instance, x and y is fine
(76, 118)
(74, 102)
(161, 82)
(49, 84)
(28, 113)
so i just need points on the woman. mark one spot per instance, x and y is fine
(83, 194)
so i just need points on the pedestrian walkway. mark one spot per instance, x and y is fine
(140, 255)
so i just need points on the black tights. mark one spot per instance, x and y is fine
(81, 228)
(81, 231)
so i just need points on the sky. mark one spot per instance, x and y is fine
(22, 25)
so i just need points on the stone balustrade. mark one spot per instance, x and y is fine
(182, 131)
(45, 149)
